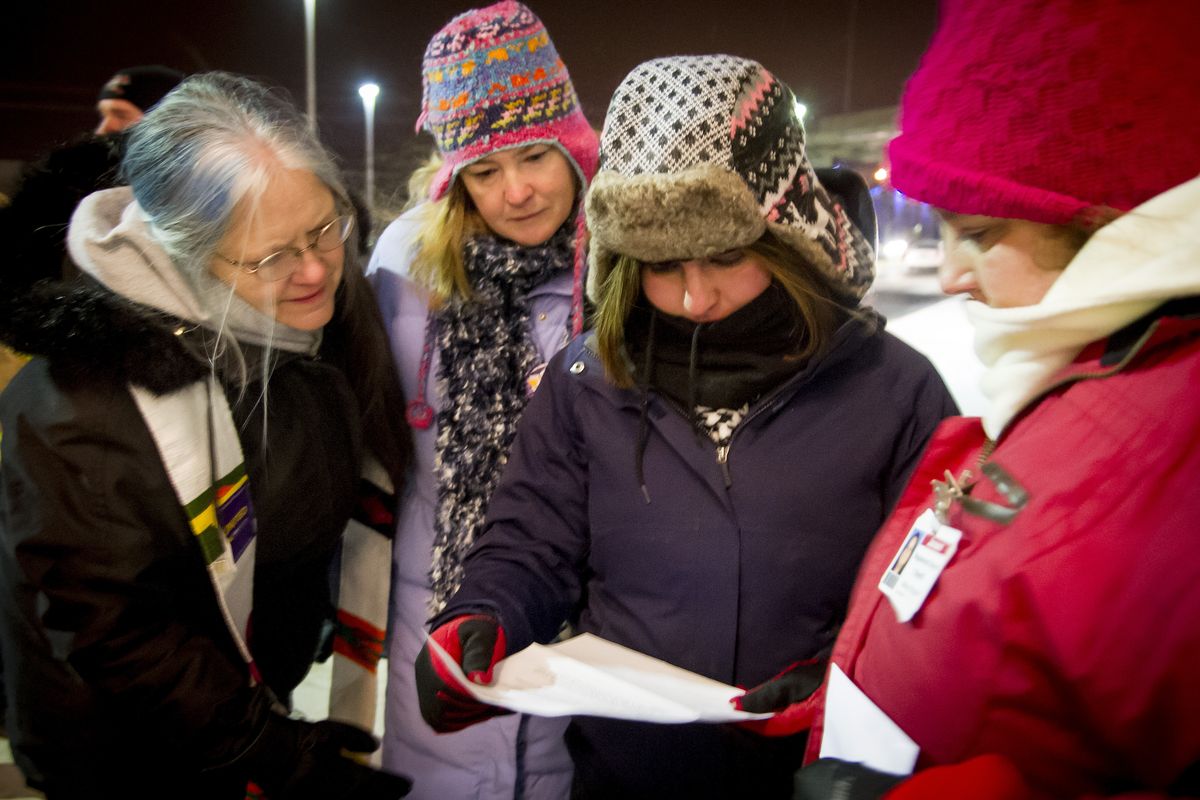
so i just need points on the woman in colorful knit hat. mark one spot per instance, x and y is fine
(1057, 655)
(698, 477)
(181, 459)
(480, 284)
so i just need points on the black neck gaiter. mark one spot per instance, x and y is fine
(737, 359)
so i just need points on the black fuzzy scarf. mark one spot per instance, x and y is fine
(723, 364)
(486, 353)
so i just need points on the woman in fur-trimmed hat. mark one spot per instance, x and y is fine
(698, 477)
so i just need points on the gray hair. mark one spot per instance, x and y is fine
(210, 144)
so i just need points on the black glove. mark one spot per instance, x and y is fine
(297, 760)
(830, 777)
(793, 685)
(476, 642)
(789, 694)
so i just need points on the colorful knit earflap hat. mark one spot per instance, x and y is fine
(493, 80)
(1044, 109)
(701, 155)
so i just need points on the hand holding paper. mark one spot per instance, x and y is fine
(589, 676)
(472, 644)
(791, 695)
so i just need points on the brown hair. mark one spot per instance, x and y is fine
(816, 302)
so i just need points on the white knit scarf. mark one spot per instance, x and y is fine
(1129, 267)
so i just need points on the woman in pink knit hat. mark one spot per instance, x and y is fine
(1044, 641)
(479, 285)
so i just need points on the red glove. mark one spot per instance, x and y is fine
(476, 643)
(792, 694)
(986, 777)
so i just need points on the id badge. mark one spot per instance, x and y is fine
(918, 564)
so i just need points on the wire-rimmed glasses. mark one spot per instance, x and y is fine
(281, 264)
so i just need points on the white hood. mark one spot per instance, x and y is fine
(110, 239)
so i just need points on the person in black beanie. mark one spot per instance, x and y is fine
(130, 93)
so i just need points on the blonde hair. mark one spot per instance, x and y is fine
(445, 225)
(817, 307)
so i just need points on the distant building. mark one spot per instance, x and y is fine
(855, 139)
(858, 140)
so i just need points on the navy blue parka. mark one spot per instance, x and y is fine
(733, 569)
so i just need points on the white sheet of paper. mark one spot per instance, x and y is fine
(590, 676)
(858, 730)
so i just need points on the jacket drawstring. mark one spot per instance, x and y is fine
(643, 421)
(691, 395)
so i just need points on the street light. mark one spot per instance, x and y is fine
(368, 92)
(310, 62)
(801, 110)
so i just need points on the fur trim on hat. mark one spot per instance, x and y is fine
(694, 213)
(700, 155)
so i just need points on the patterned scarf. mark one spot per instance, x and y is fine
(486, 353)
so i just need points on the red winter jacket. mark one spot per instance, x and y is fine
(1067, 641)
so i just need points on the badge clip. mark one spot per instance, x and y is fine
(950, 491)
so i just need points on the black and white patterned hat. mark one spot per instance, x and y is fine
(701, 155)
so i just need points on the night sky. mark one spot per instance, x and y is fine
(57, 54)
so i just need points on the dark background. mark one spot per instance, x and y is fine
(58, 53)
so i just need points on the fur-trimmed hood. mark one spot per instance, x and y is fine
(86, 331)
(138, 299)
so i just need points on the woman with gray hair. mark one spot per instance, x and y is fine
(180, 460)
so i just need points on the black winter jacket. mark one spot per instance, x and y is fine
(118, 662)
(122, 677)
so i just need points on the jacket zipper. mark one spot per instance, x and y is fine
(989, 447)
(722, 450)
(766, 403)
(723, 460)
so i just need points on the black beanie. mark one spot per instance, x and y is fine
(142, 86)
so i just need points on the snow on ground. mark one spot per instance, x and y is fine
(940, 330)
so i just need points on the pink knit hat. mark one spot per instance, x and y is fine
(492, 80)
(1042, 109)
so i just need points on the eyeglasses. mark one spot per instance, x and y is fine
(282, 264)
